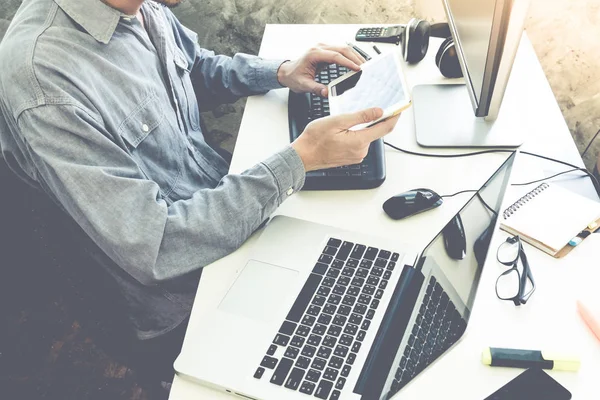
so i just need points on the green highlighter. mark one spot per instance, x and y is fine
(515, 358)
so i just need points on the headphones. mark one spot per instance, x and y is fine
(414, 40)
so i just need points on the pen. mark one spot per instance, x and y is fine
(376, 49)
(498, 357)
(589, 319)
(360, 51)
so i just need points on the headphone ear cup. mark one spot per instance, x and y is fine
(446, 60)
(416, 41)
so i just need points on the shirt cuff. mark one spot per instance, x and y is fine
(288, 170)
(266, 74)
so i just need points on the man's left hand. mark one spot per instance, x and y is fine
(299, 75)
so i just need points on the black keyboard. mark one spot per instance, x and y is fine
(437, 327)
(306, 107)
(324, 329)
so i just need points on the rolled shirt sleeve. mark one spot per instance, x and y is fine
(151, 238)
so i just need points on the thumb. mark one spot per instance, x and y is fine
(318, 89)
(380, 129)
(347, 121)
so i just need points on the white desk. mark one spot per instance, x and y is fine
(548, 321)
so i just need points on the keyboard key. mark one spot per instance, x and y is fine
(387, 275)
(354, 291)
(361, 335)
(356, 347)
(281, 340)
(281, 371)
(366, 324)
(346, 371)
(329, 309)
(324, 319)
(319, 300)
(351, 358)
(313, 375)
(349, 272)
(362, 272)
(364, 299)
(352, 263)
(272, 349)
(325, 259)
(344, 251)
(341, 351)
(303, 330)
(358, 251)
(306, 294)
(324, 352)
(339, 289)
(302, 362)
(360, 309)
(355, 319)
(379, 294)
(377, 271)
(375, 304)
(293, 381)
(287, 328)
(340, 383)
(328, 282)
(351, 329)
(373, 280)
(329, 341)
(371, 253)
(336, 362)
(297, 341)
(318, 363)
(313, 310)
(259, 372)
(333, 273)
(384, 254)
(357, 281)
(308, 351)
(334, 330)
(391, 265)
(330, 251)
(344, 280)
(268, 362)
(380, 262)
(307, 388)
(308, 320)
(291, 352)
(337, 264)
(339, 320)
(334, 242)
(323, 389)
(335, 299)
(370, 314)
(348, 300)
(366, 264)
(368, 289)
(346, 340)
(314, 340)
(344, 310)
(335, 395)
(330, 374)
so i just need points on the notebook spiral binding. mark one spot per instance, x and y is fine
(523, 200)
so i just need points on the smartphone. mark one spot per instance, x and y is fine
(531, 384)
(379, 83)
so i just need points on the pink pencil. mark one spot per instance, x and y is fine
(589, 319)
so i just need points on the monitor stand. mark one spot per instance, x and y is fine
(444, 117)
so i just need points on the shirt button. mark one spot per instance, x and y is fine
(290, 191)
(145, 128)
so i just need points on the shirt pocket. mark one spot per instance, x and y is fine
(183, 72)
(154, 143)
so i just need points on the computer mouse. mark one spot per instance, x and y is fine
(455, 239)
(412, 202)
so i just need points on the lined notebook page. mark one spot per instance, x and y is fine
(552, 216)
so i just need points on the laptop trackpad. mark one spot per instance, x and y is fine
(258, 291)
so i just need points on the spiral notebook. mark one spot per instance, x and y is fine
(548, 217)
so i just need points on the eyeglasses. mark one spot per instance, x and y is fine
(515, 284)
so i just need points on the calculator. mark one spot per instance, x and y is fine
(390, 34)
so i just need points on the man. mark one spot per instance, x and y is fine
(99, 106)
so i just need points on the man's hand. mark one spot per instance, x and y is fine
(299, 75)
(328, 142)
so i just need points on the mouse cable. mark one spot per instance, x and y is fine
(476, 153)
(457, 193)
(590, 143)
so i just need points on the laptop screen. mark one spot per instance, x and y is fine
(478, 219)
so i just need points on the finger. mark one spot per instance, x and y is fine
(380, 129)
(334, 57)
(318, 89)
(347, 52)
(347, 121)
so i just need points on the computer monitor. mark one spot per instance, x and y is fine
(486, 35)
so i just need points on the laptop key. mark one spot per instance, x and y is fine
(358, 251)
(336, 362)
(339, 289)
(323, 389)
(384, 254)
(362, 272)
(291, 352)
(324, 319)
(344, 310)
(281, 340)
(351, 358)
(307, 388)
(308, 320)
(308, 351)
(281, 371)
(334, 330)
(341, 351)
(339, 320)
(330, 374)
(356, 346)
(368, 289)
(379, 294)
(340, 383)
(335, 395)
(344, 280)
(391, 265)
(364, 299)
(313, 375)
(303, 330)
(328, 282)
(370, 314)
(357, 281)
(371, 253)
(324, 352)
(346, 340)
(346, 371)
(330, 251)
(323, 291)
(348, 271)
(318, 363)
(268, 362)
(333, 273)
(395, 256)
(329, 341)
(303, 299)
(366, 324)
(351, 329)
(259, 372)
(313, 310)
(352, 263)
(293, 381)
(319, 329)
(344, 251)
(354, 291)
(329, 309)
(314, 340)
(361, 335)
(366, 264)
(325, 259)
(320, 268)
(348, 300)
(335, 299)
(272, 349)
(319, 300)
(334, 242)
(302, 362)
(380, 262)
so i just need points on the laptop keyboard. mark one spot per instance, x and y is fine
(437, 327)
(325, 327)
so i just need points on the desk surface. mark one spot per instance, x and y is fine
(548, 321)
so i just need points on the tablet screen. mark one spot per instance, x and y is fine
(377, 84)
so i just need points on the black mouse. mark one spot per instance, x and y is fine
(455, 239)
(412, 202)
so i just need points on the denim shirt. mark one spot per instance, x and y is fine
(103, 116)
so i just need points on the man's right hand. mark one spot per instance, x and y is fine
(329, 142)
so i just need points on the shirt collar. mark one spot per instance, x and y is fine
(98, 19)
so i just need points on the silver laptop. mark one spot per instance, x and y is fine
(323, 313)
